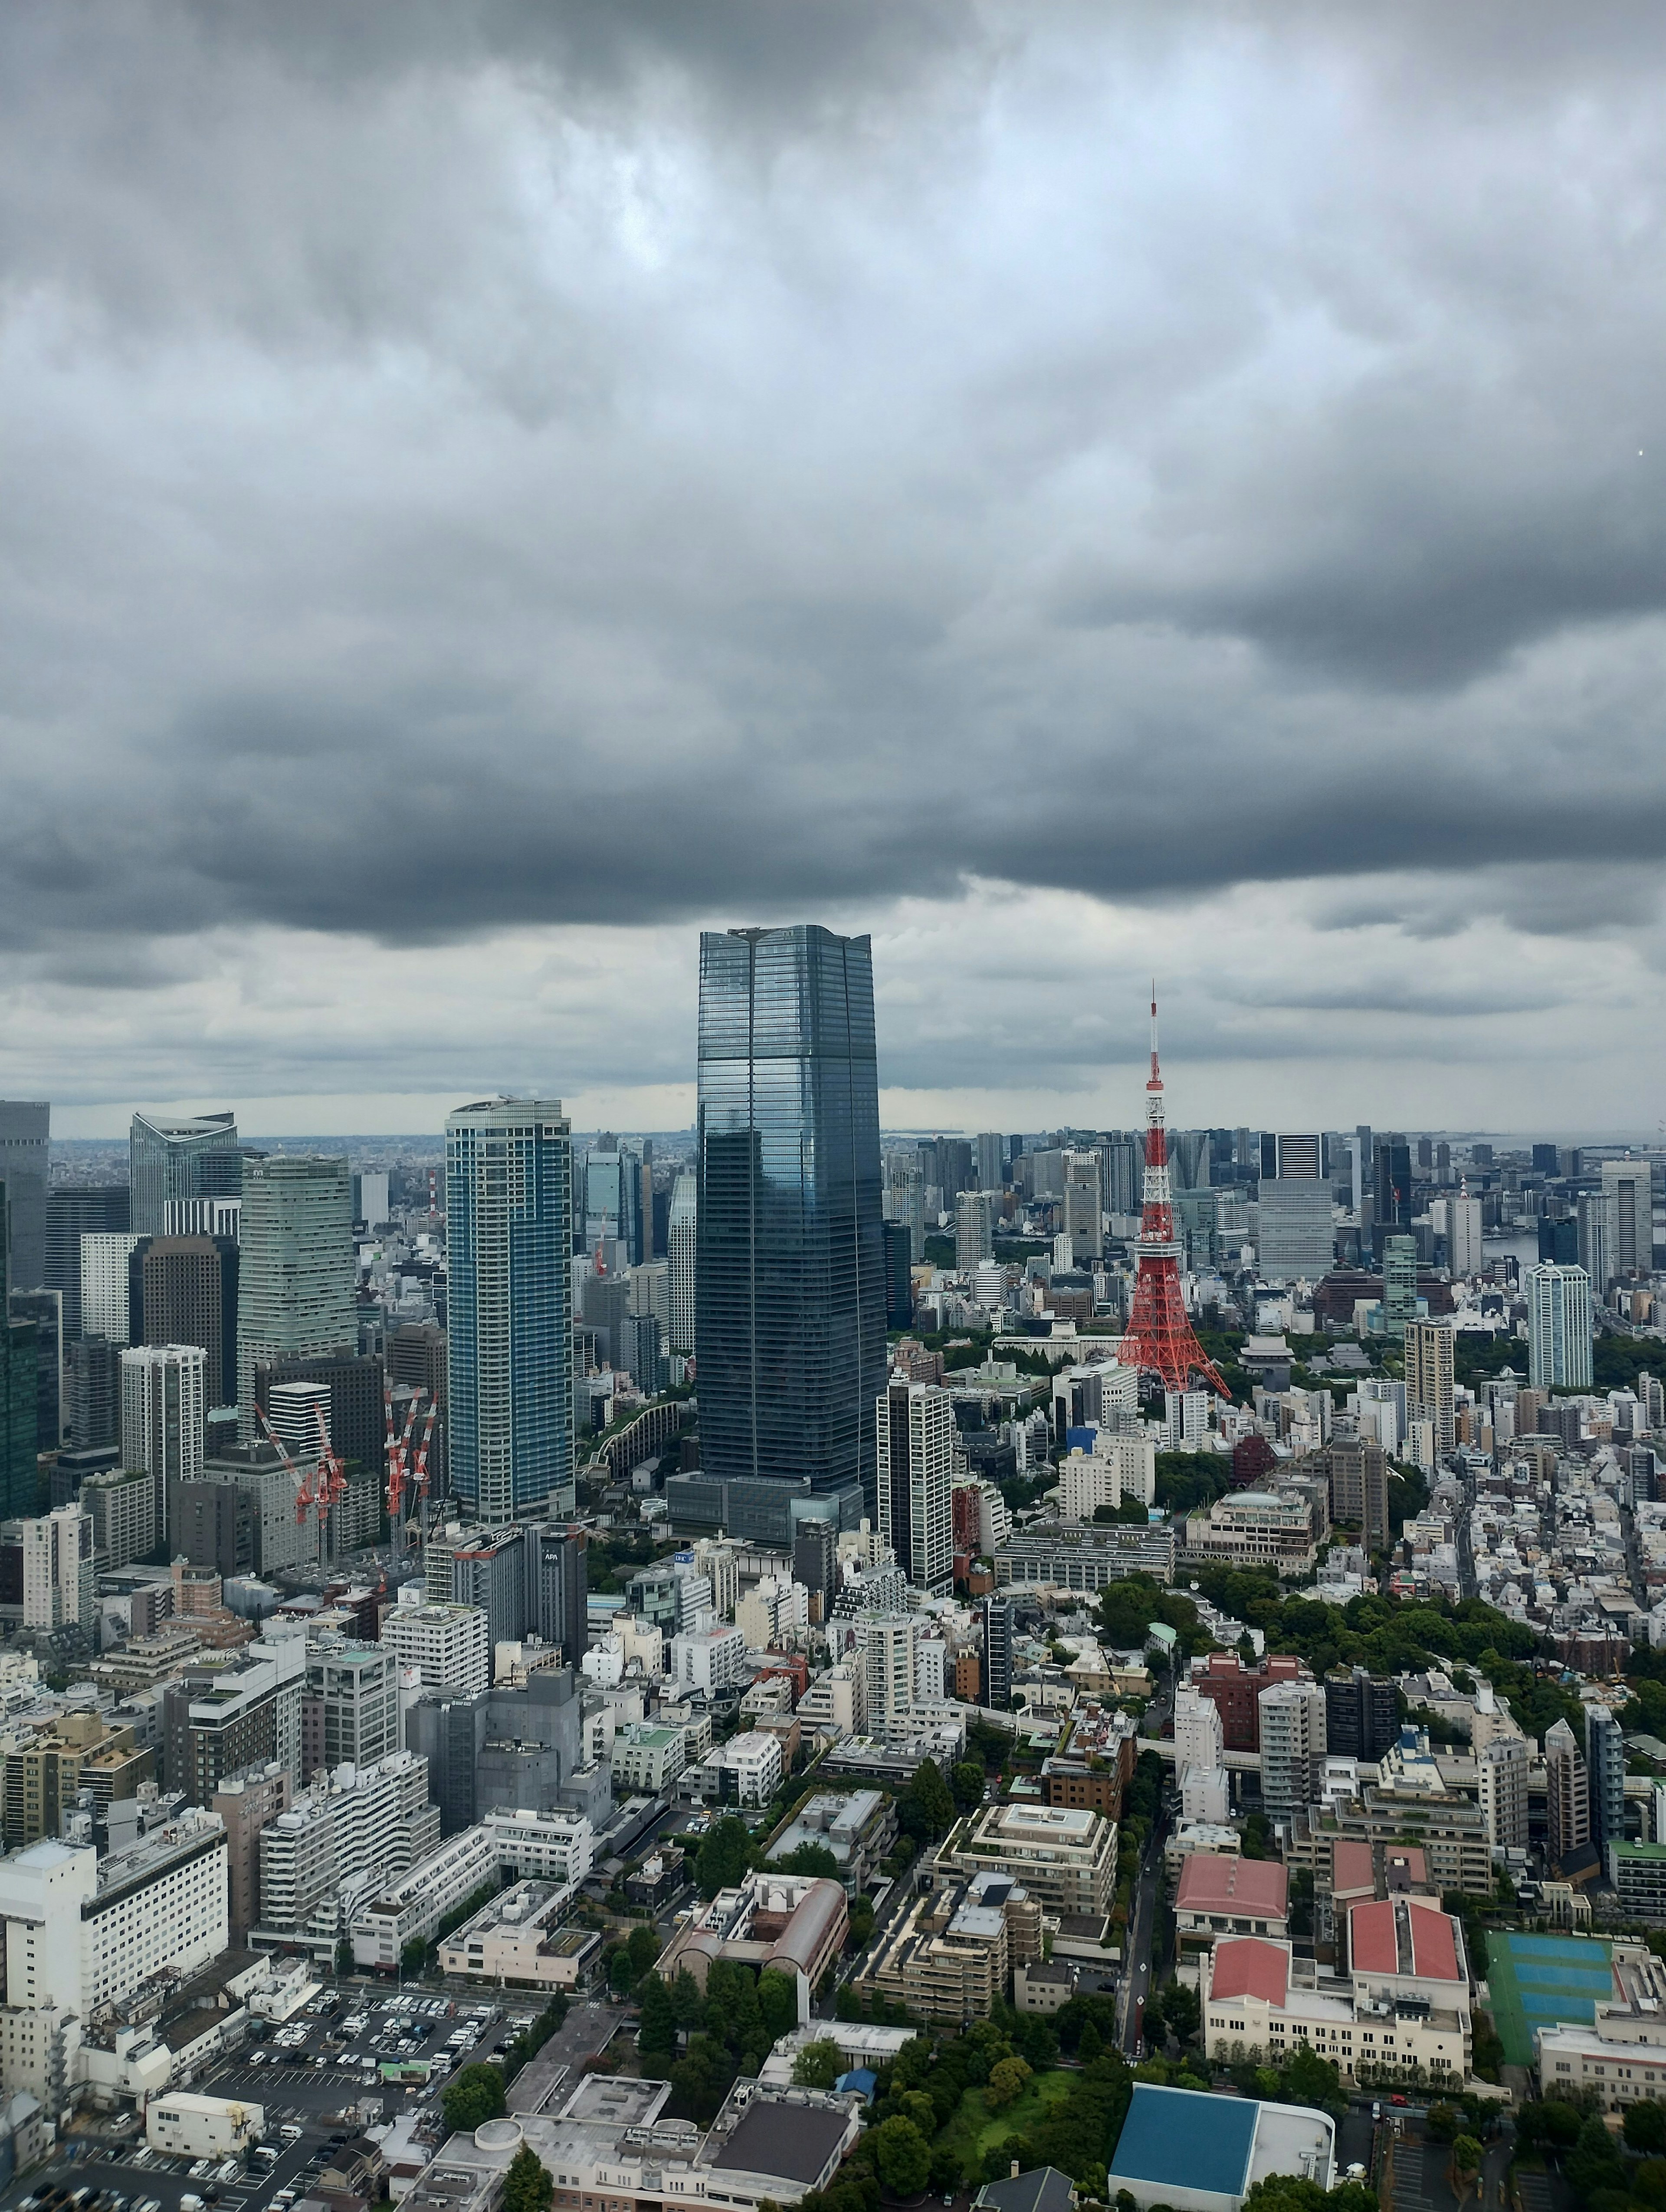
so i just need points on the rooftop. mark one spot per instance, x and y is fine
(1186, 2139)
(792, 2139)
(1228, 1882)
(1250, 1966)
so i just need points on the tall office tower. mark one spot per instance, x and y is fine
(1567, 1796)
(25, 1128)
(183, 1290)
(815, 1564)
(1190, 1150)
(1559, 1240)
(1292, 1746)
(905, 1201)
(1297, 1241)
(1399, 1284)
(1366, 1148)
(508, 1174)
(990, 1146)
(1605, 1767)
(1426, 1155)
(1594, 1214)
(1626, 1184)
(899, 1277)
(650, 1292)
(916, 1439)
(58, 1570)
(163, 1416)
(1362, 1714)
(1502, 1767)
(204, 1217)
(1464, 1256)
(168, 1159)
(1081, 1216)
(44, 1310)
(295, 1272)
(560, 1588)
(1125, 1171)
(974, 1231)
(681, 1232)
(1391, 1203)
(74, 1210)
(1544, 1159)
(106, 1289)
(613, 1197)
(1559, 1328)
(1298, 1159)
(370, 1199)
(92, 1393)
(1430, 1379)
(997, 1685)
(790, 1307)
(642, 1356)
(955, 1164)
(18, 1391)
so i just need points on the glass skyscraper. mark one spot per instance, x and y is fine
(297, 1283)
(179, 1159)
(790, 1294)
(509, 1295)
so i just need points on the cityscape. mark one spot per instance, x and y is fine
(832, 1162)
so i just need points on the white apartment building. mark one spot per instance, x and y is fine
(747, 1771)
(1559, 1328)
(163, 1410)
(1205, 1792)
(721, 1565)
(362, 1820)
(680, 1230)
(931, 1660)
(708, 1660)
(104, 1257)
(58, 1570)
(1292, 1746)
(412, 1907)
(836, 1700)
(1064, 1855)
(916, 1446)
(558, 1847)
(771, 1610)
(450, 1646)
(1502, 1766)
(1118, 1467)
(647, 1757)
(889, 1644)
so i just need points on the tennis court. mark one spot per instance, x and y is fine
(1543, 1981)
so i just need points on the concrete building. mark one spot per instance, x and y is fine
(1502, 1768)
(1254, 1528)
(350, 1709)
(1626, 1185)
(1223, 1894)
(184, 2126)
(1066, 1857)
(1207, 2156)
(1057, 1555)
(410, 1910)
(220, 1720)
(1292, 1746)
(104, 1288)
(246, 1804)
(793, 1924)
(449, 1645)
(44, 1771)
(186, 1293)
(949, 1957)
(1115, 1467)
(1559, 1328)
(647, 1757)
(974, 1231)
(1567, 1801)
(296, 1274)
(58, 1570)
(709, 1660)
(555, 1847)
(1429, 1380)
(163, 1415)
(517, 1939)
(373, 1822)
(746, 1771)
(681, 1234)
(916, 1446)
(121, 1504)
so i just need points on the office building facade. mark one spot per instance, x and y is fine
(508, 1203)
(296, 1277)
(25, 1130)
(75, 1211)
(172, 1158)
(681, 1236)
(1296, 1241)
(790, 1319)
(1626, 1185)
(162, 1410)
(183, 1290)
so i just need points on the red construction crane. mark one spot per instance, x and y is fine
(305, 1497)
(419, 1480)
(331, 1473)
(398, 1452)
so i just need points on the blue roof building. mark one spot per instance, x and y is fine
(1202, 2153)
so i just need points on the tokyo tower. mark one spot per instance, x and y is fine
(1159, 1339)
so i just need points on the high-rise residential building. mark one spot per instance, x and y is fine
(1295, 1158)
(1605, 1770)
(172, 1158)
(246, 1803)
(974, 1231)
(899, 1275)
(508, 1197)
(1567, 1798)
(1594, 1219)
(1358, 1471)
(1626, 1185)
(74, 1210)
(1081, 1211)
(92, 1393)
(1399, 1284)
(1464, 1256)
(122, 1503)
(350, 1709)
(917, 1433)
(295, 1293)
(370, 1199)
(905, 1203)
(1430, 1379)
(450, 1645)
(106, 1289)
(58, 1570)
(990, 1148)
(1296, 1241)
(1362, 1714)
(24, 1130)
(790, 1316)
(1292, 1746)
(1559, 1328)
(997, 1687)
(1502, 1766)
(219, 1720)
(183, 1290)
(163, 1416)
(680, 1238)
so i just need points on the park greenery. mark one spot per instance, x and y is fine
(474, 2096)
(528, 2185)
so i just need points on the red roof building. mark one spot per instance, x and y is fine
(1221, 1893)
(1245, 1966)
(1403, 1939)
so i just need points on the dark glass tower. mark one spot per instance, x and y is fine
(790, 1290)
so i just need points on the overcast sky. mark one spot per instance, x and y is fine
(490, 488)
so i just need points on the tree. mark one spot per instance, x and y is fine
(926, 1809)
(809, 1858)
(644, 1948)
(1645, 2127)
(1311, 2080)
(527, 2186)
(1089, 2046)
(818, 2065)
(1006, 2083)
(1182, 2010)
(1466, 2160)
(1442, 2123)
(903, 2155)
(725, 1857)
(777, 2003)
(700, 2080)
(476, 2095)
(966, 1785)
(619, 1976)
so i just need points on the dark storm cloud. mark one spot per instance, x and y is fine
(484, 465)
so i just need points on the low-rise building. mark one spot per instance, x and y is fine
(1621, 2056)
(518, 1937)
(1206, 2154)
(858, 1826)
(1230, 1896)
(411, 1909)
(558, 1847)
(1064, 1855)
(792, 1922)
(746, 1771)
(1062, 1555)
(646, 1756)
(952, 1953)
(1255, 1527)
(203, 2127)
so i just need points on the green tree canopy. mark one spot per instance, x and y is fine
(657, 2035)
(926, 1809)
(527, 2186)
(1006, 2083)
(474, 2096)
(903, 2156)
(809, 1858)
(966, 1785)
(724, 1856)
(818, 2065)
(1645, 2127)
(777, 2003)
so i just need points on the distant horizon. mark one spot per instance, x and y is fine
(335, 1141)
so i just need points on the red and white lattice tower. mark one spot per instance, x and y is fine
(1159, 1339)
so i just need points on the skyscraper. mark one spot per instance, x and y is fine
(991, 1149)
(899, 1279)
(1287, 1157)
(187, 1294)
(680, 1237)
(1296, 1240)
(1391, 1205)
(19, 1412)
(1399, 1284)
(74, 1210)
(24, 1129)
(1559, 1328)
(1594, 1213)
(974, 1231)
(1464, 1254)
(1081, 1213)
(1430, 1379)
(789, 1317)
(916, 1439)
(162, 1414)
(172, 1158)
(295, 1271)
(106, 1289)
(1567, 1798)
(1626, 1183)
(1605, 1767)
(508, 1200)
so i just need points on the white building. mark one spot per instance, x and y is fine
(58, 1570)
(203, 2127)
(1502, 1766)
(368, 1819)
(709, 1659)
(917, 1446)
(450, 1645)
(646, 1758)
(1205, 1792)
(410, 1908)
(890, 1645)
(746, 1771)
(772, 1610)
(837, 1700)
(1464, 1254)
(1559, 1327)
(1117, 1468)
(122, 1505)
(163, 1410)
(1292, 1746)
(557, 1847)
(1626, 1185)
(104, 1257)
(680, 1229)
(1296, 1238)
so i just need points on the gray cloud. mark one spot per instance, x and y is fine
(480, 466)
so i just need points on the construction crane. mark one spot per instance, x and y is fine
(304, 1495)
(331, 1473)
(398, 1451)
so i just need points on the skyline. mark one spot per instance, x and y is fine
(497, 492)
